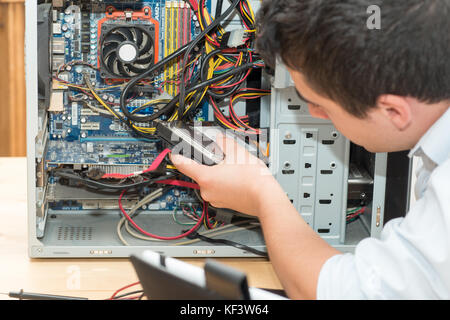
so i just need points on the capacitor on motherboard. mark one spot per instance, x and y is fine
(68, 19)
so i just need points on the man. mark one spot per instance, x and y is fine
(385, 89)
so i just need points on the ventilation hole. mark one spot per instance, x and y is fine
(74, 233)
(323, 231)
(289, 142)
(326, 172)
(325, 201)
(328, 142)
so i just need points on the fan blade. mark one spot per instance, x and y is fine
(121, 69)
(111, 62)
(114, 37)
(145, 60)
(139, 37)
(126, 33)
(148, 45)
(108, 49)
(135, 69)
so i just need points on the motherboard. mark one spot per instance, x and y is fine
(97, 49)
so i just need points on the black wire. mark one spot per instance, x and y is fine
(231, 243)
(170, 107)
(144, 75)
(99, 185)
(219, 5)
(149, 105)
(239, 77)
(208, 29)
(218, 78)
(128, 294)
(127, 122)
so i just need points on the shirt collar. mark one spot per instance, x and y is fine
(435, 144)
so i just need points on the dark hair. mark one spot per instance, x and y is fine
(330, 43)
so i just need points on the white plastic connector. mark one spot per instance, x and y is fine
(237, 38)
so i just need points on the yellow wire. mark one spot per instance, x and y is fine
(251, 12)
(141, 129)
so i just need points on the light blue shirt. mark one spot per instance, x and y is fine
(411, 260)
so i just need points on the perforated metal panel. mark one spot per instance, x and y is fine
(309, 158)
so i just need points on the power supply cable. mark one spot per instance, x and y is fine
(229, 243)
(191, 47)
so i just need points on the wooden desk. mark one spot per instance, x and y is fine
(91, 278)
(12, 79)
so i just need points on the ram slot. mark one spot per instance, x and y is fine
(186, 24)
(179, 42)
(167, 34)
(172, 45)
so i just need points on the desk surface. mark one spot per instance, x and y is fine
(91, 278)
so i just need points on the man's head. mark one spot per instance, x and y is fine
(382, 88)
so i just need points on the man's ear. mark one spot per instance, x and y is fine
(397, 109)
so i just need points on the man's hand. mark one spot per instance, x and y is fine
(244, 183)
(241, 182)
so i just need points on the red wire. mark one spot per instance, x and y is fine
(156, 236)
(357, 213)
(180, 183)
(240, 81)
(155, 164)
(121, 289)
(194, 5)
(242, 9)
(205, 205)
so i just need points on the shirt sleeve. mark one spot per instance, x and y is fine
(411, 260)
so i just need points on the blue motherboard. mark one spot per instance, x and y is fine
(81, 133)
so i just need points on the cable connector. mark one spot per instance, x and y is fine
(234, 39)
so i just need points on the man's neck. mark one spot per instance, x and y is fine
(428, 114)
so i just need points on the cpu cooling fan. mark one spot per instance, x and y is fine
(126, 50)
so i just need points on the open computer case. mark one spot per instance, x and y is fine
(80, 55)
